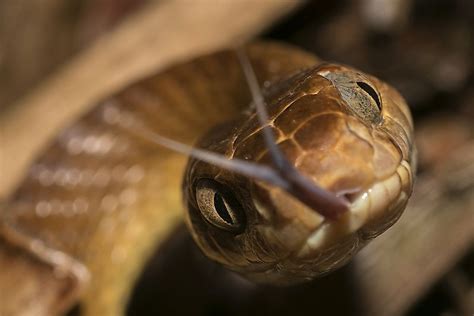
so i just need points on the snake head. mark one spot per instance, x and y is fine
(346, 132)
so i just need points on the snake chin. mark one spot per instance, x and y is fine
(311, 253)
(285, 242)
(371, 213)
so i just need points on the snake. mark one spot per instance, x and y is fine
(286, 180)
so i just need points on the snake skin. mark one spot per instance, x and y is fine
(100, 198)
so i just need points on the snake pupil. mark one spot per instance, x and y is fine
(221, 208)
(367, 88)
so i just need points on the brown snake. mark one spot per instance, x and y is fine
(103, 194)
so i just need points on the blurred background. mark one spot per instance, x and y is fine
(425, 48)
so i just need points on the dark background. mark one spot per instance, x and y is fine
(425, 48)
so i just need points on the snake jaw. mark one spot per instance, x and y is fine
(371, 212)
(308, 239)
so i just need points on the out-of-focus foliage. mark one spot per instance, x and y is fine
(36, 36)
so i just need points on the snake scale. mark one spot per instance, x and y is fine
(102, 195)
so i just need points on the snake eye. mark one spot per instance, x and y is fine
(218, 206)
(358, 93)
(370, 91)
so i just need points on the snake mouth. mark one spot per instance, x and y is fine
(381, 203)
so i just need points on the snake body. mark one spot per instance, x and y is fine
(100, 198)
